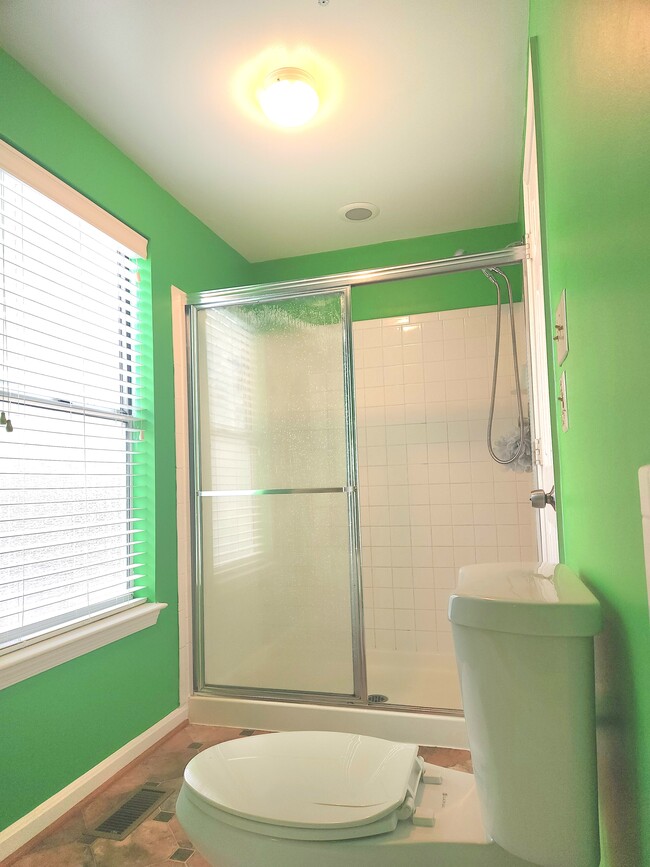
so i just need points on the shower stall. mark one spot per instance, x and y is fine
(341, 476)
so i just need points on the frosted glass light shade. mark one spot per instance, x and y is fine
(288, 97)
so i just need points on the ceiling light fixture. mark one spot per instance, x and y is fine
(288, 97)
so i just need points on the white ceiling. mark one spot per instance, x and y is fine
(423, 108)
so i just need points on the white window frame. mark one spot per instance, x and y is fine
(91, 632)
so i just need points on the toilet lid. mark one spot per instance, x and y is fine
(323, 780)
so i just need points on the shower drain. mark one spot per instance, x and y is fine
(377, 698)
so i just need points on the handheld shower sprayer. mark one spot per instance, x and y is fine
(491, 273)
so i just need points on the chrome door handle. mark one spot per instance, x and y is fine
(540, 499)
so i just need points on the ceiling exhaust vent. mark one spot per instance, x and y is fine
(358, 212)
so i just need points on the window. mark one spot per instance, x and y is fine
(71, 523)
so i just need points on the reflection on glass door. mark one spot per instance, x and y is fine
(275, 497)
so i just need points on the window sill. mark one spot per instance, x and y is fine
(50, 652)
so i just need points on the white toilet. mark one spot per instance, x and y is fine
(523, 638)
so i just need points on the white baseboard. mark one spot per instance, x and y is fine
(23, 830)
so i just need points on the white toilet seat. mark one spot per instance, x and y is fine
(445, 829)
(307, 785)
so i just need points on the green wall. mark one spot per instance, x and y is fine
(592, 85)
(57, 725)
(423, 295)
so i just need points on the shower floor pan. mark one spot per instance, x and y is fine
(414, 679)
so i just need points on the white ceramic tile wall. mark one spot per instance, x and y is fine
(431, 498)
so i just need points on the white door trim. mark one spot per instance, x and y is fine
(540, 407)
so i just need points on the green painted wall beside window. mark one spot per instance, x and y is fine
(57, 725)
(592, 70)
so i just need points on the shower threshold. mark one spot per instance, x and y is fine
(412, 725)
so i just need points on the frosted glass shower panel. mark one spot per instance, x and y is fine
(271, 392)
(275, 496)
(276, 593)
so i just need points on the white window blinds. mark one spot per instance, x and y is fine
(71, 530)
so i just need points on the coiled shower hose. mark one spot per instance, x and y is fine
(489, 273)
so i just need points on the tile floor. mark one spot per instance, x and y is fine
(160, 839)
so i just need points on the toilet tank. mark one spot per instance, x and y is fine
(523, 635)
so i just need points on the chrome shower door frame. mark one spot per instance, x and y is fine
(259, 295)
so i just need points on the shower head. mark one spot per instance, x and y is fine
(489, 274)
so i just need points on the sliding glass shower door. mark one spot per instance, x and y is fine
(276, 547)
